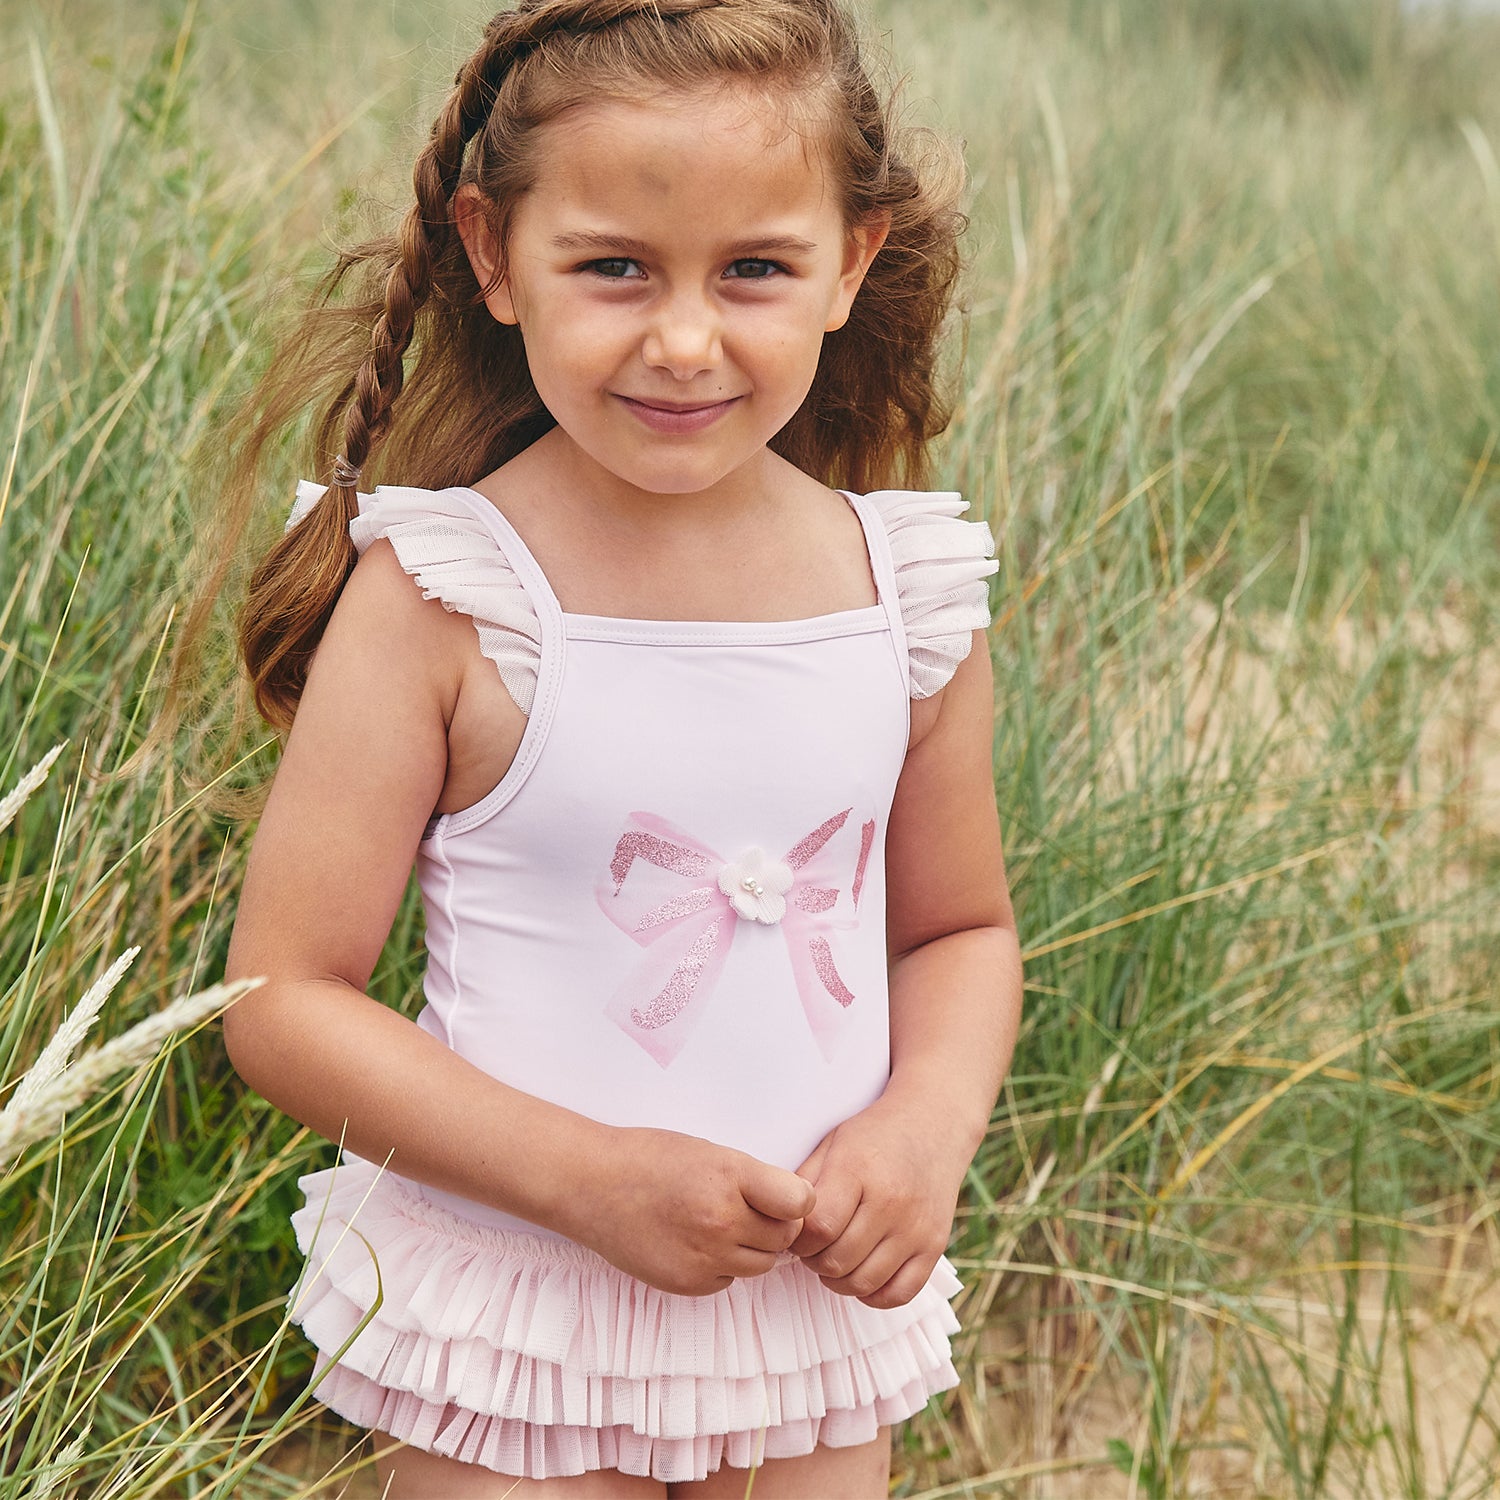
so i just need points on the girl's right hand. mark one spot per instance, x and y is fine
(684, 1215)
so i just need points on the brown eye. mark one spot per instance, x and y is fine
(751, 269)
(616, 268)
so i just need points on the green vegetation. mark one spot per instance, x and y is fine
(1230, 396)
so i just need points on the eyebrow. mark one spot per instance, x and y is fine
(774, 244)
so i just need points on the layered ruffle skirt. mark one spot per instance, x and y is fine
(535, 1357)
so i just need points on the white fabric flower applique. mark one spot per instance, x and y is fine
(757, 885)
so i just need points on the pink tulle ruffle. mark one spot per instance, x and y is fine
(533, 1356)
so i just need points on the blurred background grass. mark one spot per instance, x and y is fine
(1229, 395)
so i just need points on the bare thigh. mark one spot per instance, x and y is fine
(861, 1473)
(410, 1474)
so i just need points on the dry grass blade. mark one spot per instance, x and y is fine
(58, 1052)
(15, 800)
(59, 1471)
(20, 1128)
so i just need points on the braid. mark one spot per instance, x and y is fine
(421, 239)
(278, 633)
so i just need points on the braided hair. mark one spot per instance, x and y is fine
(467, 404)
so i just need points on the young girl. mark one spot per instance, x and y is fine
(691, 753)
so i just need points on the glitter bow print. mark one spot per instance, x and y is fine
(687, 905)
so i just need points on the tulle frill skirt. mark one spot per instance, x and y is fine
(534, 1357)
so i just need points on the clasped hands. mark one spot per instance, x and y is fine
(869, 1211)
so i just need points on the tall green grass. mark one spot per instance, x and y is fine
(1230, 399)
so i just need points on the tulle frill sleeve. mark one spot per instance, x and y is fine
(941, 563)
(454, 558)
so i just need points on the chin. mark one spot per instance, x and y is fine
(679, 485)
(676, 479)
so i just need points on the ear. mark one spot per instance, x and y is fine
(477, 232)
(861, 246)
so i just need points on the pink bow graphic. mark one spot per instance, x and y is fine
(695, 898)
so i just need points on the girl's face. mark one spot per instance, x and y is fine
(673, 272)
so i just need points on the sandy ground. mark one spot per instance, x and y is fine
(1054, 1417)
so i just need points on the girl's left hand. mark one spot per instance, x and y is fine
(887, 1185)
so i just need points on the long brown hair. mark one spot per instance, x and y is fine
(467, 404)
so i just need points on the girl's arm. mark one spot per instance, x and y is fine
(888, 1179)
(363, 768)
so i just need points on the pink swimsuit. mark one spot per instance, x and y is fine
(670, 912)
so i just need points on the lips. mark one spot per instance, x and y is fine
(676, 416)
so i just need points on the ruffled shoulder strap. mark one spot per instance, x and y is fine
(941, 562)
(454, 557)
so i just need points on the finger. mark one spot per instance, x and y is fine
(761, 1232)
(774, 1191)
(851, 1247)
(688, 1286)
(838, 1202)
(871, 1274)
(744, 1260)
(904, 1285)
(814, 1163)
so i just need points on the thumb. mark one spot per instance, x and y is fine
(777, 1193)
(814, 1163)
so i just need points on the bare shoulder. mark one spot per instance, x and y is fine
(369, 739)
(433, 675)
(383, 615)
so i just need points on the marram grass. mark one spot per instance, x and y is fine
(1229, 397)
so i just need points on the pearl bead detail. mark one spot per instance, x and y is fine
(756, 886)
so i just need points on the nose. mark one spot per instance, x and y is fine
(685, 336)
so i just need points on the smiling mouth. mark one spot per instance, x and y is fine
(673, 416)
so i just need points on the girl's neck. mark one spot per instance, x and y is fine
(767, 543)
(557, 477)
